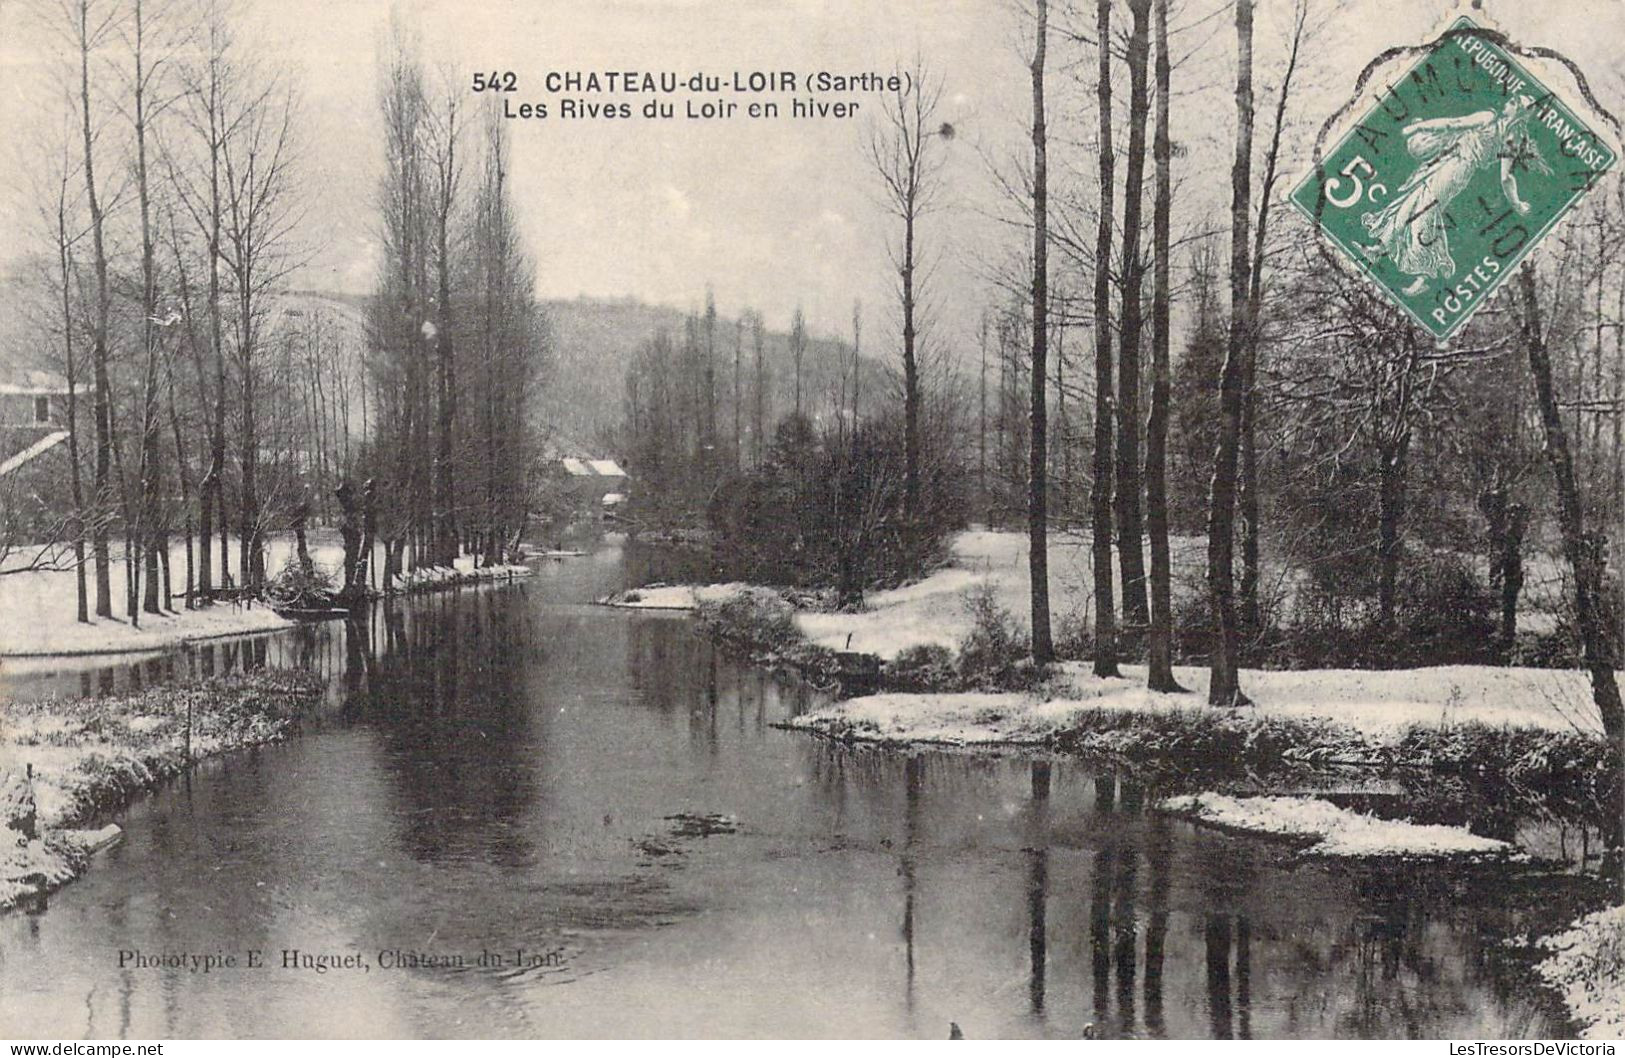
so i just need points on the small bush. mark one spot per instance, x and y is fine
(762, 626)
(1444, 613)
(991, 653)
(294, 585)
(755, 618)
(922, 669)
(1074, 640)
(1561, 765)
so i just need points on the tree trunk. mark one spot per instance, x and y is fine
(251, 560)
(1224, 685)
(1390, 515)
(1583, 550)
(446, 394)
(151, 471)
(99, 336)
(1160, 643)
(1130, 532)
(217, 437)
(1101, 500)
(301, 515)
(1037, 484)
(1512, 573)
(1249, 487)
(369, 532)
(911, 384)
(70, 368)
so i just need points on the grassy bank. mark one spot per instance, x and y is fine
(92, 755)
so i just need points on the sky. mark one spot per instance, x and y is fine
(770, 214)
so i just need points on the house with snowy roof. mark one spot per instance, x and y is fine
(592, 482)
(34, 466)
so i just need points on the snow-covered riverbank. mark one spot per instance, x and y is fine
(1376, 706)
(933, 613)
(38, 609)
(65, 760)
(1329, 829)
(1587, 968)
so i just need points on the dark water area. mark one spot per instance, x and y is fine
(591, 811)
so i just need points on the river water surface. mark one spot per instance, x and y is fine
(591, 811)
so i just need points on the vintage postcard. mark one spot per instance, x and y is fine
(803, 519)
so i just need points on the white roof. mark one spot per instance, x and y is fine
(607, 467)
(38, 448)
(576, 468)
(34, 384)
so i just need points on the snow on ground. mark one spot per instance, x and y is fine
(1378, 705)
(32, 627)
(933, 610)
(86, 753)
(674, 596)
(22, 859)
(1587, 967)
(1337, 831)
(38, 609)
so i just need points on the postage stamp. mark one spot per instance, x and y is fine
(1452, 177)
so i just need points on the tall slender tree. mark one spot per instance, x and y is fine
(444, 129)
(1037, 481)
(798, 352)
(903, 152)
(1224, 686)
(91, 22)
(1101, 499)
(1130, 529)
(1583, 550)
(1160, 643)
(1248, 487)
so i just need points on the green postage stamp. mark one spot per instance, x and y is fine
(1445, 184)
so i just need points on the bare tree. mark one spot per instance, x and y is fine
(759, 409)
(444, 131)
(1248, 484)
(1224, 687)
(902, 152)
(1101, 500)
(1583, 550)
(1037, 484)
(1130, 531)
(150, 35)
(798, 351)
(1160, 643)
(258, 220)
(91, 22)
(64, 237)
(208, 84)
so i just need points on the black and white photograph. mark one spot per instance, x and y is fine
(1091, 520)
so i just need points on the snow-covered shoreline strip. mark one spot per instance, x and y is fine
(64, 761)
(464, 573)
(23, 639)
(1334, 831)
(1587, 968)
(1374, 706)
(674, 596)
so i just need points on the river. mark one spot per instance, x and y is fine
(591, 810)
